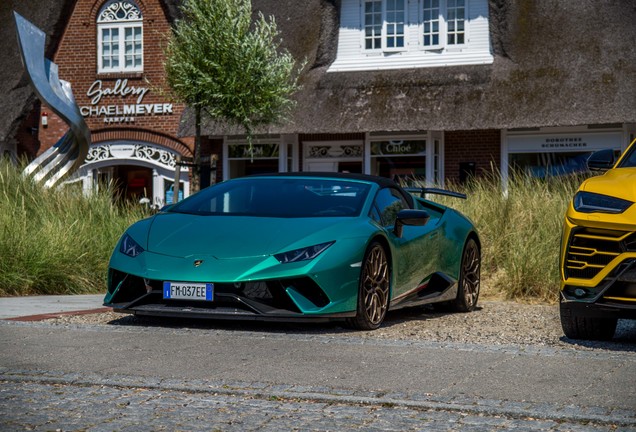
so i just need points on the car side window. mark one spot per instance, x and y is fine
(389, 202)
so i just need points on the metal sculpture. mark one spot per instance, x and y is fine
(68, 154)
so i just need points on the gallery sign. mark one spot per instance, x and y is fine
(121, 113)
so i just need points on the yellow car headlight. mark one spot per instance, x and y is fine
(588, 202)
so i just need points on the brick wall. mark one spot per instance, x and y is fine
(77, 61)
(483, 147)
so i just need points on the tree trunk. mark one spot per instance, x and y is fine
(196, 168)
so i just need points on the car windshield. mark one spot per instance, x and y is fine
(284, 197)
(629, 161)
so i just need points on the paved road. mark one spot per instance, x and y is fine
(149, 378)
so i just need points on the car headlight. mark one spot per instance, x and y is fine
(588, 202)
(130, 247)
(303, 254)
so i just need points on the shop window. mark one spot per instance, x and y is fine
(333, 156)
(404, 161)
(120, 37)
(548, 164)
(263, 159)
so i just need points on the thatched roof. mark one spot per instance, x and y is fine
(556, 63)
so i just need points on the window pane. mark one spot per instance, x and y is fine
(460, 38)
(431, 18)
(400, 41)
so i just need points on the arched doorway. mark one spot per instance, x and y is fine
(136, 169)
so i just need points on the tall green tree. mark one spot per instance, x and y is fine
(220, 62)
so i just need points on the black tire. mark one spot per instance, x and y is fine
(577, 326)
(469, 278)
(373, 289)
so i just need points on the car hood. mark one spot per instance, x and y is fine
(228, 237)
(617, 182)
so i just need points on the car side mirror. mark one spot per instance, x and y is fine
(601, 160)
(411, 218)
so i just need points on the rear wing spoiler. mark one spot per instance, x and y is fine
(435, 191)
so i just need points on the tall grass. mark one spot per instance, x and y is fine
(55, 241)
(520, 232)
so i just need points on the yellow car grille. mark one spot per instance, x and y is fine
(591, 250)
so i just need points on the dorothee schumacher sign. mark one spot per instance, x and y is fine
(123, 112)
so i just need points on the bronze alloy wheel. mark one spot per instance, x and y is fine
(373, 295)
(469, 280)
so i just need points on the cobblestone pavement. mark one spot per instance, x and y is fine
(65, 402)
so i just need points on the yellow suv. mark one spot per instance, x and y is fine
(598, 250)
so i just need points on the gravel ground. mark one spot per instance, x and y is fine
(494, 323)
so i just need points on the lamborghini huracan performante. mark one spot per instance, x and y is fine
(297, 246)
(598, 251)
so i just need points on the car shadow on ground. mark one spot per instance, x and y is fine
(624, 339)
(393, 318)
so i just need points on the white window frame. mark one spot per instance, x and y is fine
(108, 21)
(443, 23)
(384, 31)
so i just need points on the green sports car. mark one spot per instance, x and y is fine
(297, 246)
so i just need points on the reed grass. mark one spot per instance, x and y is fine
(56, 241)
(520, 232)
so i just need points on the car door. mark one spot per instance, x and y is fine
(415, 252)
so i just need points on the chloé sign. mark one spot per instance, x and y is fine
(124, 113)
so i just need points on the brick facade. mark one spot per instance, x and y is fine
(481, 147)
(77, 57)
